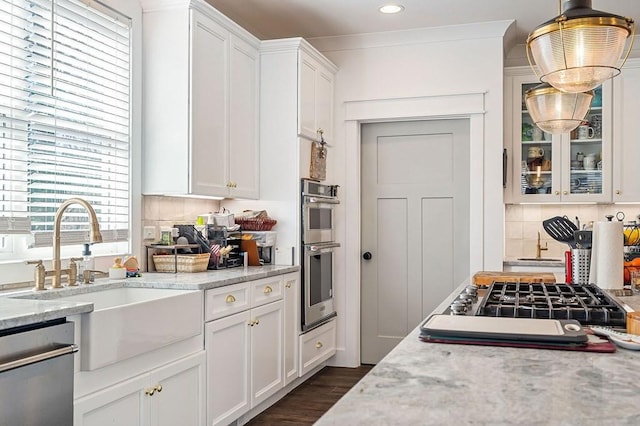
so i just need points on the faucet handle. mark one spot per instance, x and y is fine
(73, 270)
(38, 274)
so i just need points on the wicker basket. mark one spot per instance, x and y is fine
(256, 224)
(185, 262)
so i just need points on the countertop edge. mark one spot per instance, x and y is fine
(26, 306)
(559, 263)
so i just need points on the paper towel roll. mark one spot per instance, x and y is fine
(607, 255)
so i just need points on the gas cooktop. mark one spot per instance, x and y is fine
(586, 303)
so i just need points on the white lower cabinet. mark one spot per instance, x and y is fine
(227, 343)
(244, 350)
(169, 395)
(291, 326)
(316, 346)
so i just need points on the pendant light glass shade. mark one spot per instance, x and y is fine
(555, 111)
(581, 48)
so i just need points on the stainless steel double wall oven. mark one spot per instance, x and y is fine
(318, 244)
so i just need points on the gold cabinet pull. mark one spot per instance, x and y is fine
(230, 299)
(256, 322)
(318, 345)
(151, 391)
(564, 192)
(267, 290)
(288, 284)
(557, 192)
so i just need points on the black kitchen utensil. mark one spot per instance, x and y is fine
(561, 229)
(583, 239)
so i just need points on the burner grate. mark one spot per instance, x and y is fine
(585, 303)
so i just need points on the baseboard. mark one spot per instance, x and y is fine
(344, 358)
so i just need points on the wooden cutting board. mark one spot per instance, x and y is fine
(486, 278)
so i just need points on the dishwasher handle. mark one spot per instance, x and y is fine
(43, 356)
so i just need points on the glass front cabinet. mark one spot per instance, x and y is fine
(573, 167)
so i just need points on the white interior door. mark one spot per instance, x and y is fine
(415, 225)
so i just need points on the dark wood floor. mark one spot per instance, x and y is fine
(309, 401)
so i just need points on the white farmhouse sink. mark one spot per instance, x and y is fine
(127, 322)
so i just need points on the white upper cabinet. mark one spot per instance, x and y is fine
(200, 92)
(626, 148)
(243, 119)
(573, 167)
(208, 142)
(315, 96)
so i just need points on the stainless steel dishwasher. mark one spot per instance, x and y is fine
(36, 375)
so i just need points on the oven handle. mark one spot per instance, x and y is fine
(316, 200)
(316, 248)
(23, 362)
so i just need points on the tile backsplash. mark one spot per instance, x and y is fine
(524, 221)
(161, 211)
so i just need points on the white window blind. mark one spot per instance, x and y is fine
(64, 116)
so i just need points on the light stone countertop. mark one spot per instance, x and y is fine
(420, 383)
(26, 306)
(550, 262)
(20, 312)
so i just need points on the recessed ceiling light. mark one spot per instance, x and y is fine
(391, 8)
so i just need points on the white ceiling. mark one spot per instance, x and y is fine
(269, 19)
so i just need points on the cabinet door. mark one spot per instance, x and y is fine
(536, 159)
(324, 103)
(266, 351)
(243, 119)
(307, 69)
(179, 393)
(626, 149)
(209, 101)
(121, 404)
(586, 154)
(291, 326)
(551, 168)
(227, 343)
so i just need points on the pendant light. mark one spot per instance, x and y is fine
(555, 111)
(581, 48)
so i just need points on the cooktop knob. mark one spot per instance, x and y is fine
(458, 307)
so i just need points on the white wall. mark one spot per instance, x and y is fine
(414, 64)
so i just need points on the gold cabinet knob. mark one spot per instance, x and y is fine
(250, 323)
(318, 345)
(230, 299)
(159, 388)
(288, 284)
(267, 290)
(150, 391)
(557, 192)
(256, 322)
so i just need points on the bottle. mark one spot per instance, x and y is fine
(87, 266)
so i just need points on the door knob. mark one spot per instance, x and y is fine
(366, 255)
